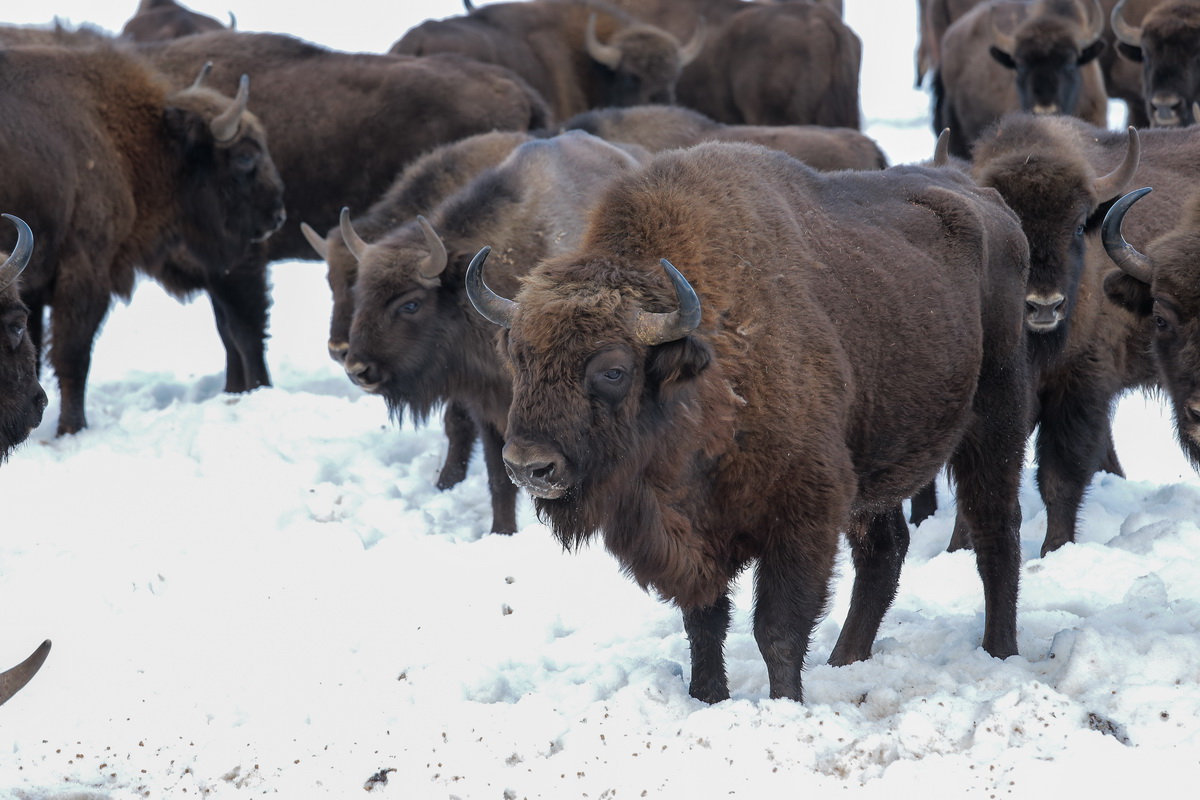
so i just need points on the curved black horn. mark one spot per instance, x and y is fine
(1132, 263)
(654, 328)
(469, 6)
(225, 125)
(12, 681)
(18, 259)
(494, 308)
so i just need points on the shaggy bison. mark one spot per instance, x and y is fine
(780, 394)
(22, 400)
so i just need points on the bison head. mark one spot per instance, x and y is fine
(595, 374)
(1047, 50)
(231, 193)
(645, 62)
(1167, 44)
(22, 399)
(1162, 285)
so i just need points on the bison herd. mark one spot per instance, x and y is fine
(640, 251)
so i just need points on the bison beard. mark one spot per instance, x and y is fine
(781, 415)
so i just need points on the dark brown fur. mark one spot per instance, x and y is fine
(1048, 67)
(1168, 50)
(156, 20)
(22, 399)
(417, 342)
(544, 43)
(117, 174)
(793, 412)
(662, 127)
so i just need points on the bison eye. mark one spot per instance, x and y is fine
(614, 375)
(407, 307)
(245, 161)
(1161, 322)
(1079, 230)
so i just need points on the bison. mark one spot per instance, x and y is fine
(1167, 45)
(1047, 65)
(661, 127)
(165, 19)
(579, 55)
(415, 339)
(22, 399)
(119, 174)
(418, 189)
(839, 337)
(13, 680)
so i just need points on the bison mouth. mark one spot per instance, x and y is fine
(538, 469)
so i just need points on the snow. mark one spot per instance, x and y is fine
(265, 594)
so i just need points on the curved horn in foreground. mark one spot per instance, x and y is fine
(18, 259)
(437, 250)
(1114, 183)
(606, 54)
(941, 150)
(14, 679)
(689, 52)
(494, 308)
(354, 242)
(316, 240)
(1132, 263)
(225, 125)
(1125, 33)
(652, 328)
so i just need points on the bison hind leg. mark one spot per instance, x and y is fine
(461, 434)
(878, 545)
(924, 503)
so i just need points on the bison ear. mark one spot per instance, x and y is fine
(674, 365)
(1129, 293)
(1091, 51)
(1003, 58)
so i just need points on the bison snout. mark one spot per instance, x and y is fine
(1168, 109)
(538, 470)
(367, 375)
(37, 407)
(1043, 313)
(338, 350)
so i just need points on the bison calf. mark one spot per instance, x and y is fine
(778, 395)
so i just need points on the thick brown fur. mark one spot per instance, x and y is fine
(976, 82)
(793, 412)
(1168, 50)
(155, 20)
(544, 43)
(22, 399)
(415, 339)
(662, 127)
(117, 174)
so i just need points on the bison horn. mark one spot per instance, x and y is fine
(232, 22)
(690, 51)
(941, 150)
(12, 681)
(315, 239)
(1002, 41)
(203, 76)
(1134, 264)
(469, 6)
(18, 259)
(1125, 33)
(1114, 183)
(225, 125)
(651, 328)
(494, 308)
(437, 250)
(605, 54)
(354, 242)
(1095, 24)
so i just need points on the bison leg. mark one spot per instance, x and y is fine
(75, 317)
(240, 302)
(1073, 438)
(504, 491)
(878, 546)
(461, 433)
(706, 630)
(924, 504)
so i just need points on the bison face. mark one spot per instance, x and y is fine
(232, 195)
(1048, 77)
(643, 62)
(1168, 47)
(22, 399)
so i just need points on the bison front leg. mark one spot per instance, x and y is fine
(706, 630)
(504, 492)
(461, 433)
(75, 316)
(240, 305)
(878, 545)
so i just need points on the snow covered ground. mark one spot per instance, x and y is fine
(265, 594)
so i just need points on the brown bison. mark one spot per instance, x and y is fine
(661, 127)
(415, 339)
(13, 680)
(165, 19)
(777, 396)
(22, 399)
(1047, 65)
(1160, 286)
(418, 190)
(118, 174)
(1167, 45)
(580, 54)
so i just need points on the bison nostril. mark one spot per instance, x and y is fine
(542, 472)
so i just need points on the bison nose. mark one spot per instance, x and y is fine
(1044, 312)
(1167, 109)
(1045, 108)
(337, 350)
(364, 373)
(538, 470)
